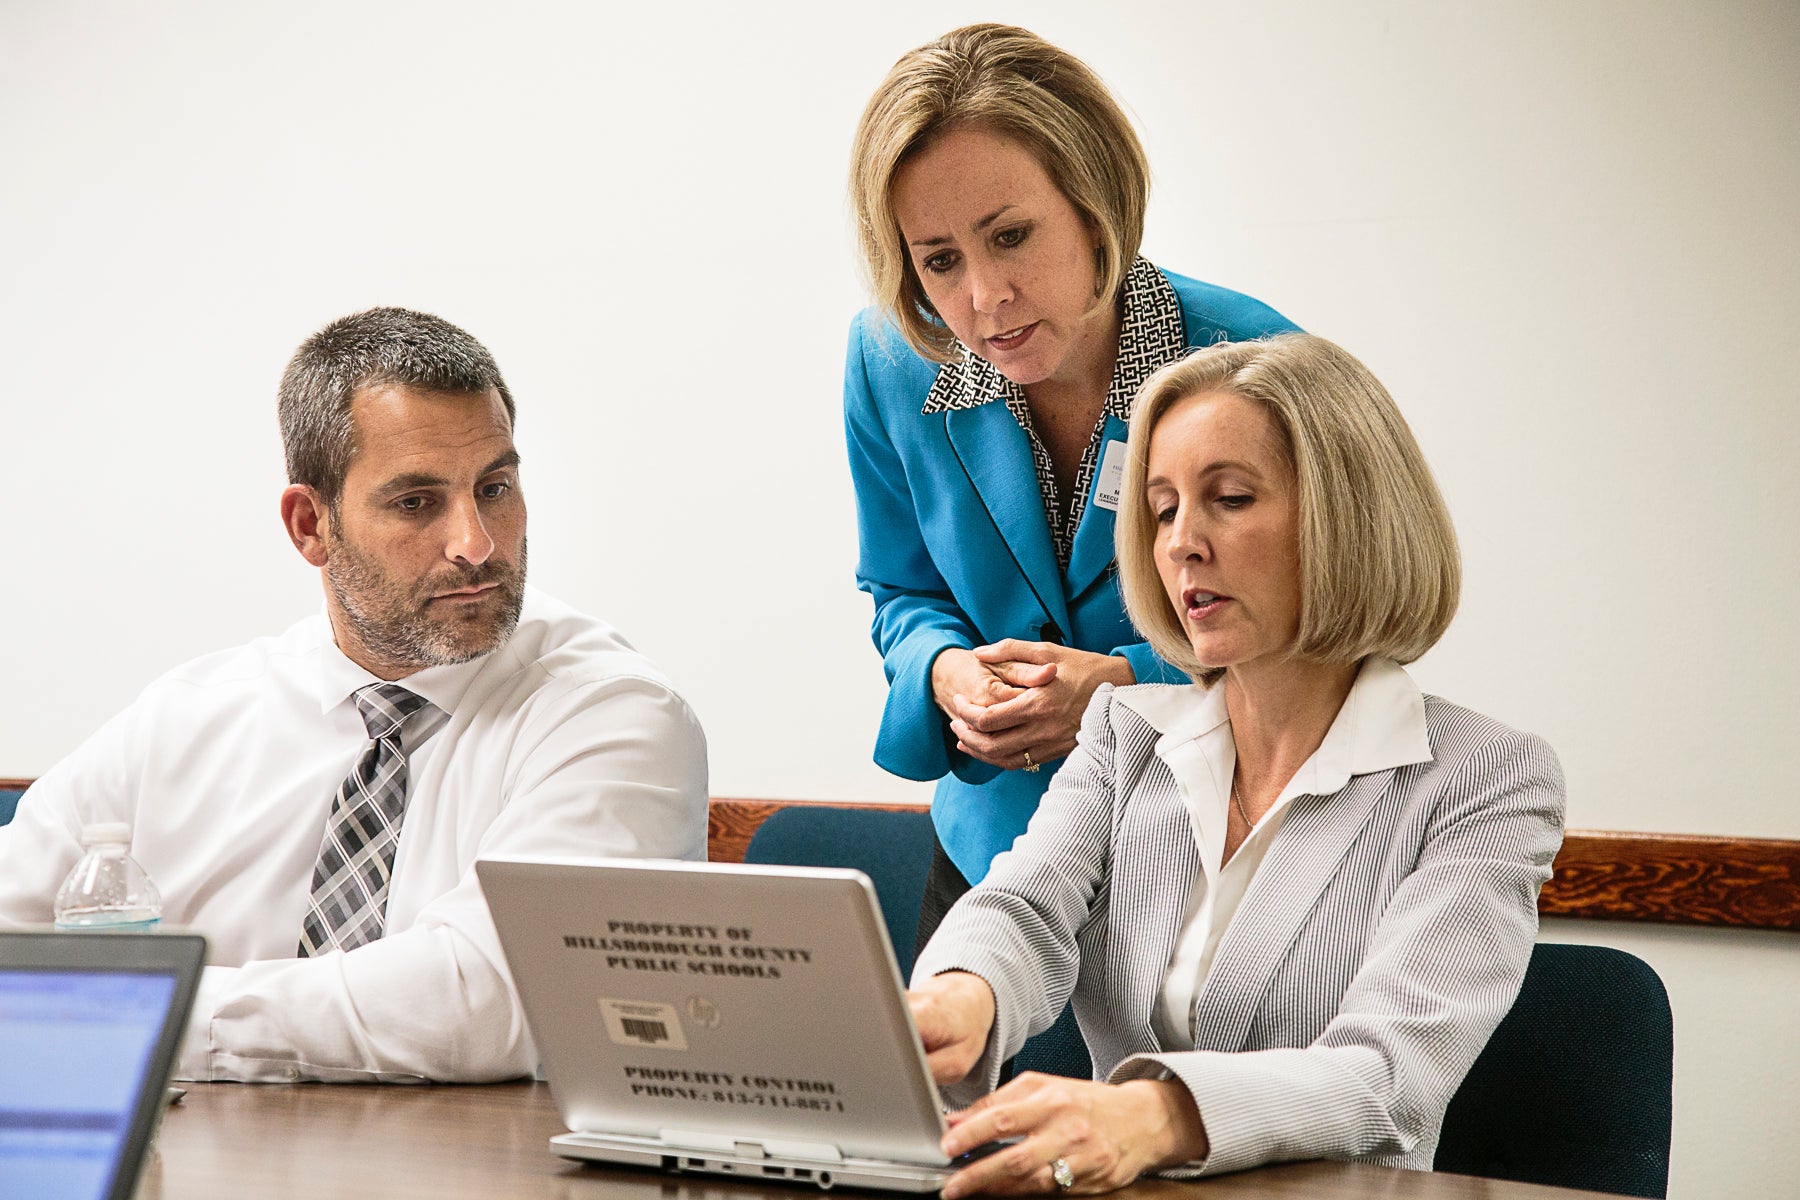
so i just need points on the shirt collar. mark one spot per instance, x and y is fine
(1380, 726)
(1151, 333)
(340, 678)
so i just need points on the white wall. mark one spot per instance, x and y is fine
(1565, 235)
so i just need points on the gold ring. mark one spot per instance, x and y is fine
(1030, 769)
(1059, 1171)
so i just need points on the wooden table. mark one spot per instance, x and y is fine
(323, 1141)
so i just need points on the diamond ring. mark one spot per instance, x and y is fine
(1059, 1171)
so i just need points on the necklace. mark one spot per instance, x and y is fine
(1239, 802)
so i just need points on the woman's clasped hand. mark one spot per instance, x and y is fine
(1017, 704)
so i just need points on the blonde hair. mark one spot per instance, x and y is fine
(1007, 81)
(1379, 567)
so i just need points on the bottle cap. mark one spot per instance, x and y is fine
(105, 833)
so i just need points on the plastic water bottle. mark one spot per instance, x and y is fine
(107, 890)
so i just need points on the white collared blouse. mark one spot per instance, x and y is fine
(1380, 726)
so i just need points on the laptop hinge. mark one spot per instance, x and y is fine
(811, 1151)
(724, 1143)
(687, 1139)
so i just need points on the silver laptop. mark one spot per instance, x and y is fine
(90, 1024)
(742, 1020)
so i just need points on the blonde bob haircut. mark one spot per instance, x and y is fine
(1379, 568)
(1008, 81)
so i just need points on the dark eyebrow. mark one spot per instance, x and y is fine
(413, 479)
(981, 224)
(509, 459)
(419, 479)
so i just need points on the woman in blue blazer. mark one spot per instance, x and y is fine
(1000, 197)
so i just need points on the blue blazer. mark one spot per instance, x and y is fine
(956, 551)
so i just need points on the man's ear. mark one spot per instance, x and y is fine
(308, 521)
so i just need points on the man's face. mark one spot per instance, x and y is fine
(426, 543)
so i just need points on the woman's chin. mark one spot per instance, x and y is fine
(1022, 372)
(1211, 657)
(1222, 653)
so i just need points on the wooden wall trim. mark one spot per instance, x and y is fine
(1676, 879)
(1672, 879)
(15, 785)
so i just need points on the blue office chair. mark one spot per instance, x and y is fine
(1574, 1088)
(9, 804)
(894, 850)
(1059, 1050)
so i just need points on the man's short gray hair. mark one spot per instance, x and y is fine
(383, 346)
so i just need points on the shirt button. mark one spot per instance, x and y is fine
(293, 1074)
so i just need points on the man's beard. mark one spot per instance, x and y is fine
(394, 624)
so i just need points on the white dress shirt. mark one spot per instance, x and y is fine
(1380, 726)
(562, 742)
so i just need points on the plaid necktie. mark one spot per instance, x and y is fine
(348, 906)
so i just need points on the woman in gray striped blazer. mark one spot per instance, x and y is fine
(1290, 901)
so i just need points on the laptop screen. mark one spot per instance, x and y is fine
(74, 1050)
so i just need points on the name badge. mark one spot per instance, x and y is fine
(1112, 477)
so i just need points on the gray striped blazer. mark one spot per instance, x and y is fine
(1382, 939)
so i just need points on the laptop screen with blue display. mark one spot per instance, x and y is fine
(84, 1055)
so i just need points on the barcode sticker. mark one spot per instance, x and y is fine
(643, 1023)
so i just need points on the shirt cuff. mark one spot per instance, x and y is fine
(195, 1062)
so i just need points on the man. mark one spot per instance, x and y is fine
(314, 802)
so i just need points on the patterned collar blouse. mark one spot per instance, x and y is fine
(1150, 335)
